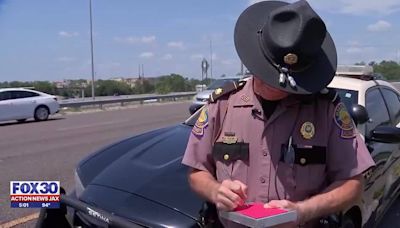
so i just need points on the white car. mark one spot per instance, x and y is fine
(374, 104)
(21, 104)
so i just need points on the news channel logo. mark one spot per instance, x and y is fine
(35, 194)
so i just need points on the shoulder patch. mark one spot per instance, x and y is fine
(344, 121)
(201, 123)
(226, 89)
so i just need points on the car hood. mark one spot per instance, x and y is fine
(204, 94)
(148, 166)
(134, 208)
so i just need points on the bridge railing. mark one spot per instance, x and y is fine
(100, 101)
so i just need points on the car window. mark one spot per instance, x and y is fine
(22, 94)
(348, 97)
(376, 109)
(393, 104)
(219, 83)
(5, 96)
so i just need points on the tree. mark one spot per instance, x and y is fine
(143, 86)
(45, 87)
(110, 88)
(171, 83)
(389, 69)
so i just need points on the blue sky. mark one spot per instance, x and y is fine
(49, 39)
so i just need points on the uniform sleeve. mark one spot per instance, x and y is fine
(198, 151)
(347, 154)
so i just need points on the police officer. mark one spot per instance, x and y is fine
(281, 137)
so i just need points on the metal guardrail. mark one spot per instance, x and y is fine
(123, 100)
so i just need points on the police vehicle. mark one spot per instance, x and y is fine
(140, 181)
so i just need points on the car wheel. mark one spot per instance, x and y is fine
(41, 113)
(21, 120)
(347, 222)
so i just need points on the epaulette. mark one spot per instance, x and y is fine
(228, 88)
(330, 94)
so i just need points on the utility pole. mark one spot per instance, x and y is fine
(211, 60)
(91, 47)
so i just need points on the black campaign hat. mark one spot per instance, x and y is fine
(286, 46)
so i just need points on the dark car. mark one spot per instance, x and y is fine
(140, 181)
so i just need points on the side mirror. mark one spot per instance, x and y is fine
(359, 114)
(386, 134)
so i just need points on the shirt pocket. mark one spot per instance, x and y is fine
(310, 178)
(231, 161)
(310, 168)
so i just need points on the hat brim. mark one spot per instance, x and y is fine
(313, 79)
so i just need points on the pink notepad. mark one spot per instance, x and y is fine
(257, 210)
(255, 215)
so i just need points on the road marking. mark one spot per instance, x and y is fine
(19, 221)
(92, 125)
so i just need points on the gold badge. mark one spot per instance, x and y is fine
(229, 138)
(290, 59)
(307, 130)
(218, 91)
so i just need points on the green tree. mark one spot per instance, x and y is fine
(143, 86)
(110, 88)
(45, 87)
(171, 83)
(389, 69)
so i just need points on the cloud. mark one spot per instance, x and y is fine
(363, 6)
(176, 44)
(379, 26)
(68, 34)
(358, 49)
(167, 57)
(65, 59)
(197, 56)
(355, 7)
(228, 62)
(251, 2)
(146, 55)
(135, 40)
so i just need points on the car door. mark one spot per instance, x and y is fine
(376, 180)
(24, 103)
(6, 109)
(392, 100)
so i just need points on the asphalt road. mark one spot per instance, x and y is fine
(50, 150)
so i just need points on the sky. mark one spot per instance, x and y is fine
(50, 39)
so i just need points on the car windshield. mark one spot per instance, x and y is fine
(348, 97)
(219, 83)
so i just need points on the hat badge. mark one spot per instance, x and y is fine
(290, 59)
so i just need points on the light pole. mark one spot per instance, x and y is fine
(211, 59)
(91, 47)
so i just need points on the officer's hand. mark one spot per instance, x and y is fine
(229, 195)
(287, 205)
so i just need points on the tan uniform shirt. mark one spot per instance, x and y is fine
(326, 147)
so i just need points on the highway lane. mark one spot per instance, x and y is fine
(50, 150)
